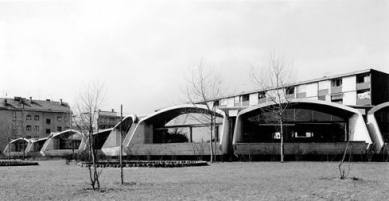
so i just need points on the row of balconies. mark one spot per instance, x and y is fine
(243, 101)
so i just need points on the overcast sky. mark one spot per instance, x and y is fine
(142, 50)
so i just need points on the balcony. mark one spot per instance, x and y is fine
(364, 101)
(363, 85)
(289, 96)
(245, 103)
(336, 90)
(261, 100)
(302, 95)
(323, 92)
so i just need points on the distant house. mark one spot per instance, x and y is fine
(31, 119)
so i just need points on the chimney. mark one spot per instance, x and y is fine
(5, 101)
(60, 100)
(30, 99)
(113, 110)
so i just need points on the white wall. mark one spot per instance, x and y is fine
(301, 88)
(229, 102)
(254, 99)
(349, 83)
(311, 89)
(350, 98)
(325, 84)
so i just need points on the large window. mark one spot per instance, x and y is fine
(300, 125)
(187, 128)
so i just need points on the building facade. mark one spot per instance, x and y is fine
(107, 119)
(28, 118)
(361, 89)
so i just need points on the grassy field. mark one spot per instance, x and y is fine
(54, 180)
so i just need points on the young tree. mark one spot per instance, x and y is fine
(6, 133)
(202, 88)
(89, 100)
(273, 80)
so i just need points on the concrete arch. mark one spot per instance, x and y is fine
(35, 146)
(10, 148)
(357, 128)
(103, 133)
(374, 129)
(111, 145)
(139, 142)
(52, 147)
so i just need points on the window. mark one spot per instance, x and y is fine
(66, 118)
(363, 78)
(59, 118)
(216, 103)
(48, 131)
(36, 128)
(28, 128)
(303, 134)
(289, 90)
(261, 95)
(245, 97)
(48, 121)
(59, 128)
(28, 117)
(36, 117)
(336, 82)
(323, 98)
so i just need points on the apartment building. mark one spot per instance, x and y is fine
(108, 119)
(28, 118)
(360, 89)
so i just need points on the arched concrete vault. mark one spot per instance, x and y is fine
(143, 138)
(17, 147)
(62, 143)
(307, 117)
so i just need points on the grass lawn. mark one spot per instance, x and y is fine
(54, 180)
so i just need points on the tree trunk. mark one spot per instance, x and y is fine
(282, 141)
(210, 144)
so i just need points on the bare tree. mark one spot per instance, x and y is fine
(203, 87)
(274, 80)
(6, 133)
(89, 100)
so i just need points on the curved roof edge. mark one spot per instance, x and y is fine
(133, 116)
(200, 106)
(378, 107)
(336, 105)
(25, 139)
(62, 132)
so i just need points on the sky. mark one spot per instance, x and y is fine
(142, 51)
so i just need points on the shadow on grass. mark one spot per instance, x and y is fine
(125, 183)
(90, 190)
(345, 179)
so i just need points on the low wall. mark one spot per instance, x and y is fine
(301, 148)
(188, 149)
